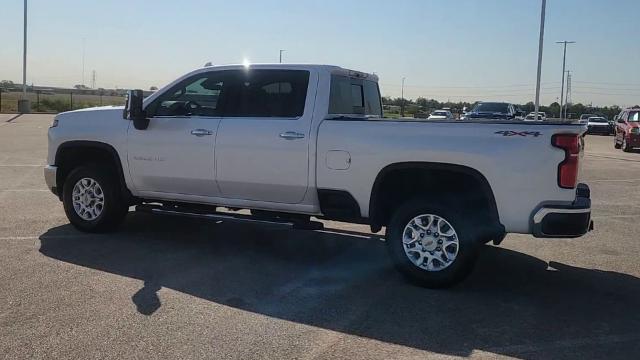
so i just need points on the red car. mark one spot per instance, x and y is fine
(628, 129)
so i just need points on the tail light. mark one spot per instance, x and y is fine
(568, 168)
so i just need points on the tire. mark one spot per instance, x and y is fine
(615, 142)
(441, 275)
(625, 145)
(102, 218)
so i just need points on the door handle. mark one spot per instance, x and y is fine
(292, 135)
(201, 132)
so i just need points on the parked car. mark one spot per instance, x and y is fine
(441, 115)
(598, 125)
(493, 110)
(532, 116)
(627, 134)
(293, 141)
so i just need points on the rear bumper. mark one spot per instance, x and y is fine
(564, 220)
(50, 173)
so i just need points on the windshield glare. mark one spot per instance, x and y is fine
(491, 107)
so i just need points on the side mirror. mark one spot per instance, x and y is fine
(133, 110)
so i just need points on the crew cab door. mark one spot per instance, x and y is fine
(175, 154)
(262, 145)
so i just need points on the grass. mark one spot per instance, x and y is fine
(55, 103)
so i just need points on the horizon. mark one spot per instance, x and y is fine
(484, 51)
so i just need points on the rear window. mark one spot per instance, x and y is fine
(598, 120)
(354, 96)
(268, 93)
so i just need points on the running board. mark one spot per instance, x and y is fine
(193, 213)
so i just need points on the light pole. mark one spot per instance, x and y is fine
(564, 59)
(23, 104)
(281, 51)
(402, 98)
(540, 44)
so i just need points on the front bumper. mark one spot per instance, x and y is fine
(50, 176)
(564, 220)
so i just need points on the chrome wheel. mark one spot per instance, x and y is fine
(88, 199)
(430, 242)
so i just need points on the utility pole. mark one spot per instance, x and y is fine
(402, 98)
(540, 45)
(93, 79)
(567, 99)
(564, 60)
(281, 51)
(83, 47)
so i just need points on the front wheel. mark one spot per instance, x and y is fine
(625, 144)
(615, 142)
(432, 246)
(93, 200)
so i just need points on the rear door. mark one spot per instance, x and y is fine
(262, 145)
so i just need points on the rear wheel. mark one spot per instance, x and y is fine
(432, 245)
(92, 199)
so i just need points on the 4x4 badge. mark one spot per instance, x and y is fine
(518, 133)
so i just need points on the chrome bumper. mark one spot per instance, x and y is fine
(50, 173)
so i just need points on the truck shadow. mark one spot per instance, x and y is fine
(513, 304)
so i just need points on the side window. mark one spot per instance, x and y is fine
(198, 95)
(267, 93)
(634, 116)
(373, 104)
(354, 96)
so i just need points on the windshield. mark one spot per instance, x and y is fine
(598, 120)
(492, 107)
(439, 113)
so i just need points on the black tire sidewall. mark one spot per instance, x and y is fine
(467, 249)
(114, 208)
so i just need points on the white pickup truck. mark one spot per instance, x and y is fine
(293, 141)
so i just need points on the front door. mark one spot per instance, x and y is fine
(175, 154)
(262, 145)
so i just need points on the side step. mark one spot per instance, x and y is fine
(200, 214)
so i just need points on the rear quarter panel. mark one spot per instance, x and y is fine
(521, 169)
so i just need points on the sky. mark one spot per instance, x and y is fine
(446, 50)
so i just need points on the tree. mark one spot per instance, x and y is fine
(6, 84)
(81, 87)
(153, 88)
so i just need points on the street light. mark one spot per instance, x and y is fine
(540, 44)
(564, 59)
(402, 98)
(23, 104)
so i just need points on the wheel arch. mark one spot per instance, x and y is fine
(71, 154)
(379, 212)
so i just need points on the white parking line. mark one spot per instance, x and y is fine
(21, 165)
(22, 190)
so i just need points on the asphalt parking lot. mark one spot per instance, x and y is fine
(167, 287)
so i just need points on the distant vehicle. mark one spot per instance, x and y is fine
(584, 118)
(441, 115)
(627, 133)
(532, 116)
(493, 110)
(598, 125)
